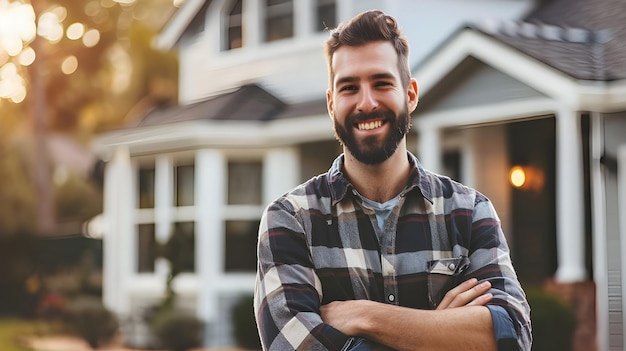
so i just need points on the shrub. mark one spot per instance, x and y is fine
(553, 322)
(177, 331)
(92, 321)
(246, 334)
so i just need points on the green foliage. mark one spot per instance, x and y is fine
(17, 213)
(246, 334)
(92, 321)
(77, 198)
(554, 322)
(177, 331)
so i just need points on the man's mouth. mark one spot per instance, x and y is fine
(369, 125)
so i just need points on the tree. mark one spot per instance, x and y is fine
(77, 68)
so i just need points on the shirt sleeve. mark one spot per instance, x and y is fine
(503, 329)
(288, 291)
(490, 259)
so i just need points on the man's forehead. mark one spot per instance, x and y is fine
(369, 60)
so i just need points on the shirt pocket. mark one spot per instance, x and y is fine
(443, 275)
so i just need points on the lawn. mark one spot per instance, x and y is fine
(12, 330)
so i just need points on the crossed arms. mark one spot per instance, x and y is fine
(293, 311)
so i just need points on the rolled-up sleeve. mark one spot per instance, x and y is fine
(491, 260)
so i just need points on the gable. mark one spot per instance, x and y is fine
(474, 83)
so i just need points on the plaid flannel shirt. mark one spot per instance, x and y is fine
(319, 243)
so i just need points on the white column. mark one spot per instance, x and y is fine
(600, 239)
(429, 146)
(621, 203)
(281, 172)
(210, 182)
(570, 198)
(253, 16)
(163, 202)
(117, 253)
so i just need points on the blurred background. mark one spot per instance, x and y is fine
(140, 141)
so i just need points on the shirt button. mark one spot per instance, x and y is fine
(451, 266)
(391, 298)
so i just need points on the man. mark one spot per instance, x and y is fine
(378, 252)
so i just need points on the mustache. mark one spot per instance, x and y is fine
(363, 116)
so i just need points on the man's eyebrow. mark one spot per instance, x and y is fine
(376, 76)
(382, 76)
(343, 80)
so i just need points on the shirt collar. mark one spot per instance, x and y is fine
(339, 184)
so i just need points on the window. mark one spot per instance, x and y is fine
(326, 15)
(146, 187)
(181, 247)
(278, 19)
(234, 32)
(241, 241)
(245, 186)
(147, 248)
(184, 185)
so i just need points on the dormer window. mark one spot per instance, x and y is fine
(234, 32)
(326, 15)
(278, 19)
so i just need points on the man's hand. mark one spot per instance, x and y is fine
(468, 293)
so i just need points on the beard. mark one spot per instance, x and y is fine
(370, 151)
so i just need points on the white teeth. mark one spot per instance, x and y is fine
(370, 125)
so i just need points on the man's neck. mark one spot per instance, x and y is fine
(381, 182)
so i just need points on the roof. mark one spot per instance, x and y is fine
(246, 103)
(585, 39)
(179, 22)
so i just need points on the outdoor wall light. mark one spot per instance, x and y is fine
(526, 177)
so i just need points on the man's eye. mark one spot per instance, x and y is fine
(348, 88)
(383, 84)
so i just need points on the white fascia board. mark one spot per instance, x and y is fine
(177, 25)
(218, 134)
(531, 72)
(605, 97)
(486, 114)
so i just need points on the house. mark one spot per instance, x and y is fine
(503, 83)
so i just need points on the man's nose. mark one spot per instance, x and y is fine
(367, 100)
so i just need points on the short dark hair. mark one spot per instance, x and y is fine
(367, 27)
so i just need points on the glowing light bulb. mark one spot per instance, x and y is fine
(517, 176)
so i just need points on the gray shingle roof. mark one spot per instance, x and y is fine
(249, 102)
(585, 39)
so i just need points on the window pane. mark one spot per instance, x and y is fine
(279, 20)
(181, 247)
(241, 239)
(234, 27)
(146, 244)
(146, 187)
(245, 182)
(184, 186)
(326, 15)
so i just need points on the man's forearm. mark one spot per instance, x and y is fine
(401, 328)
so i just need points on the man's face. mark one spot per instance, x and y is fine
(368, 103)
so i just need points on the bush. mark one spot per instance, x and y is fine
(553, 321)
(246, 334)
(93, 322)
(177, 331)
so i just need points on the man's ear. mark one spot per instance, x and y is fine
(412, 95)
(330, 105)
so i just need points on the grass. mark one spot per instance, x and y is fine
(13, 329)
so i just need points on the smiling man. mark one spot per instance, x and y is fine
(379, 253)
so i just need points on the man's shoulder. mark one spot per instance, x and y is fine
(447, 189)
(307, 194)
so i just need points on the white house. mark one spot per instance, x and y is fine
(502, 83)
